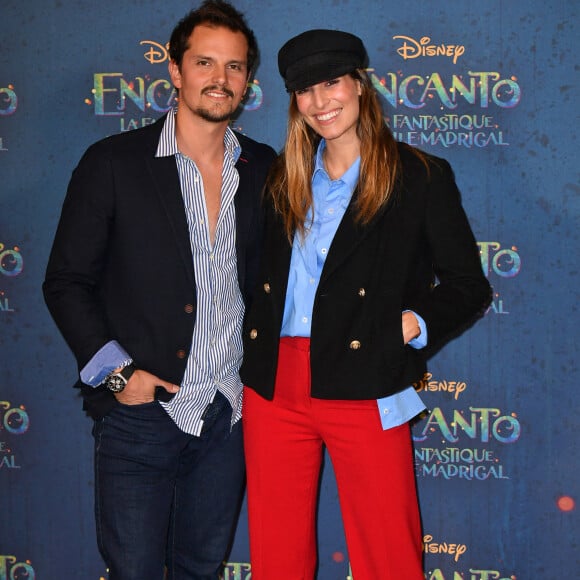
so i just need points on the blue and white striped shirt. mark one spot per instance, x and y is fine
(216, 352)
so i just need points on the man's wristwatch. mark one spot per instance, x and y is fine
(116, 382)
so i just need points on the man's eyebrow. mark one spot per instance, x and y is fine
(233, 61)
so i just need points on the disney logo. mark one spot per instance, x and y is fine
(412, 48)
(157, 52)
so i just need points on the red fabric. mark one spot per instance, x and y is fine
(284, 440)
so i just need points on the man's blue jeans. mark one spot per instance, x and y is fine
(163, 498)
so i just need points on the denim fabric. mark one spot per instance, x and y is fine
(165, 499)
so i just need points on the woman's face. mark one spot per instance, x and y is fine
(331, 108)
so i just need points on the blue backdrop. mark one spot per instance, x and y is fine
(491, 86)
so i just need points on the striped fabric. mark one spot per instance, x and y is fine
(216, 351)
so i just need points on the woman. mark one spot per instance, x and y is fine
(368, 258)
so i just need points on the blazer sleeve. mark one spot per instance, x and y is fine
(460, 293)
(79, 253)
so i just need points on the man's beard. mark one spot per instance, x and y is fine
(217, 116)
(214, 117)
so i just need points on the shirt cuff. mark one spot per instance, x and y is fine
(399, 408)
(106, 360)
(421, 340)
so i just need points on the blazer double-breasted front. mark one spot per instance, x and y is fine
(418, 253)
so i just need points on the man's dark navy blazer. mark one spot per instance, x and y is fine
(121, 266)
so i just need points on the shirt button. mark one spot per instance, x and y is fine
(386, 411)
(312, 280)
(188, 308)
(180, 353)
(330, 210)
(323, 251)
(304, 319)
(355, 345)
(253, 334)
(361, 292)
(267, 288)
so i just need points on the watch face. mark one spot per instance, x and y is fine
(116, 383)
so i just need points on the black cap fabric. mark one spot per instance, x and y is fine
(319, 55)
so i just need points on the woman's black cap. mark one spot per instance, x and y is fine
(319, 55)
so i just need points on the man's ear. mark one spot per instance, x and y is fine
(248, 83)
(174, 73)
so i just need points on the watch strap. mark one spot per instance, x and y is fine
(127, 371)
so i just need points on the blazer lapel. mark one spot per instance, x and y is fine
(348, 236)
(166, 181)
(243, 213)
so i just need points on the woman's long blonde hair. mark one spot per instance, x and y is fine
(289, 182)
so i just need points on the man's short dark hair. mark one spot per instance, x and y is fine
(212, 13)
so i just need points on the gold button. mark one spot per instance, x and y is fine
(180, 353)
(361, 292)
(253, 334)
(355, 345)
(188, 308)
(267, 288)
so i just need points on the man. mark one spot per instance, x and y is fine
(152, 266)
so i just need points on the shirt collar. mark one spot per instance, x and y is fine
(167, 145)
(350, 176)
